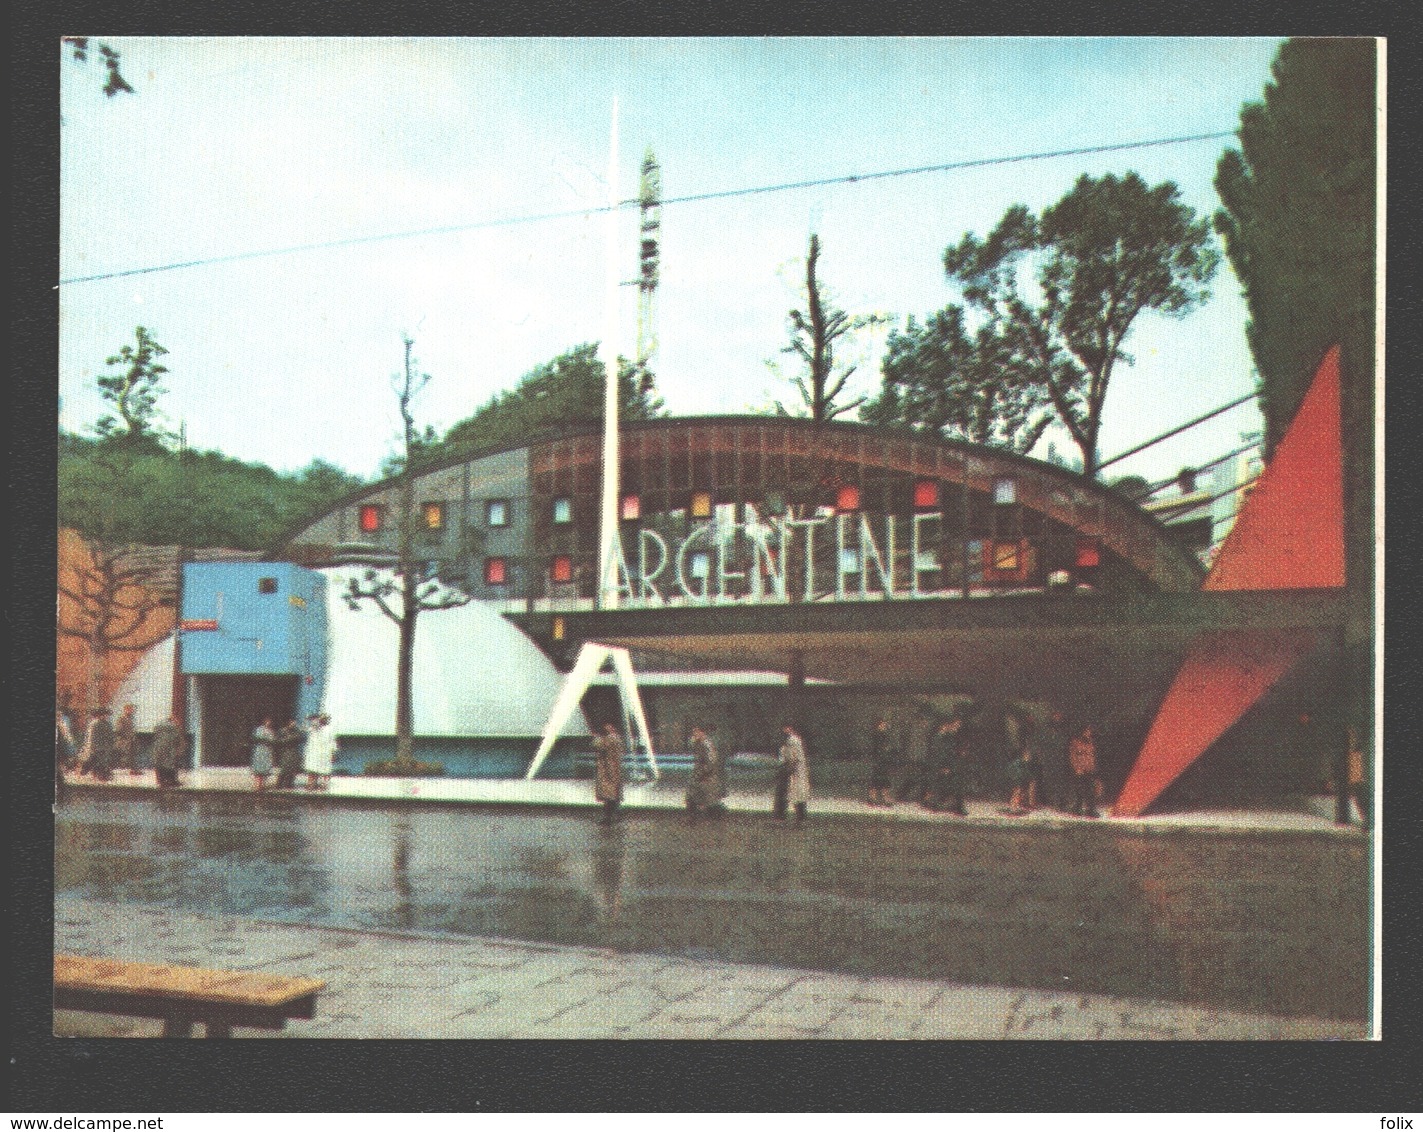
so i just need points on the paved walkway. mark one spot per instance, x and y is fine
(832, 798)
(389, 985)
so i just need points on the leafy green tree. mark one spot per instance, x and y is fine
(134, 391)
(402, 597)
(1299, 221)
(941, 379)
(154, 497)
(817, 333)
(1106, 252)
(551, 396)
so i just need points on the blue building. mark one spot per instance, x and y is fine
(254, 644)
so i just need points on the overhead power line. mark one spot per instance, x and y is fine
(849, 179)
(1178, 429)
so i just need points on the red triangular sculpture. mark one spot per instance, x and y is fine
(1289, 535)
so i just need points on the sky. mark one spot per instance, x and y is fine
(231, 146)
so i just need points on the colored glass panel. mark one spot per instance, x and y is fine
(701, 505)
(495, 571)
(926, 493)
(562, 568)
(632, 508)
(370, 517)
(847, 498)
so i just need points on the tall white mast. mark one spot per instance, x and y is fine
(608, 520)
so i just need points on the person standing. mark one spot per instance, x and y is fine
(63, 751)
(717, 785)
(1082, 757)
(914, 786)
(702, 792)
(126, 741)
(608, 778)
(290, 740)
(168, 744)
(264, 741)
(949, 769)
(1050, 740)
(884, 755)
(320, 756)
(1025, 775)
(99, 751)
(1358, 779)
(795, 767)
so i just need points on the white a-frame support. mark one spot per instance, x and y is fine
(591, 658)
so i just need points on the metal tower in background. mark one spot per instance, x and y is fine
(649, 198)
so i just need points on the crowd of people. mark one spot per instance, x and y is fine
(292, 750)
(1047, 769)
(706, 787)
(108, 747)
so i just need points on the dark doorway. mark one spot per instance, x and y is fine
(233, 706)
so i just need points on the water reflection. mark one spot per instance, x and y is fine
(609, 851)
(1274, 923)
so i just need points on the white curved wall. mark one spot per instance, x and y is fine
(475, 673)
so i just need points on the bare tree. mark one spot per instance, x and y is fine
(817, 333)
(107, 602)
(404, 595)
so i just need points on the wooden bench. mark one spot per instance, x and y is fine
(182, 996)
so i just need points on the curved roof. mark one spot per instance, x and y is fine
(1079, 501)
(476, 674)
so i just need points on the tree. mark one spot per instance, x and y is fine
(78, 46)
(156, 497)
(817, 333)
(1107, 251)
(566, 390)
(1299, 222)
(134, 391)
(940, 379)
(402, 597)
(107, 601)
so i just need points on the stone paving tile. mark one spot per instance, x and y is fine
(419, 987)
(874, 1022)
(969, 1013)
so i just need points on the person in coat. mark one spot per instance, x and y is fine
(1082, 756)
(99, 750)
(608, 779)
(320, 755)
(717, 784)
(1025, 776)
(63, 751)
(884, 756)
(948, 768)
(704, 789)
(795, 769)
(167, 752)
(126, 740)
(263, 746)
(290, 740)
